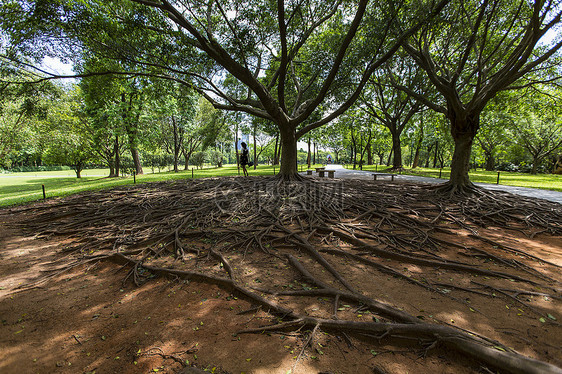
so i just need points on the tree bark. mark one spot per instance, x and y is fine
(275, 156)
(315, 155)
(255, 149)
(136, 160)
(288, 169)
(389, 157)
(117, 156)
(535, 163)
(309, 158)
(463, 130)
(176, 145)
(490, 162)
(396, 150)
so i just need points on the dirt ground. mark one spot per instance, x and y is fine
(89, 319)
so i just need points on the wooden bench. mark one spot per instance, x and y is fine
(330, 173)
(318, 170)
(309, 172)
(384, 175)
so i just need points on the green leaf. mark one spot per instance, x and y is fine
(374, 353)
(551, 316)
(542, 320)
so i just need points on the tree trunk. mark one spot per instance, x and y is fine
(389, 157)
(275, 156)
(435, 155)
(255, 149)
(369, 154)
(535, 163)
(463, 131)
(78, 169)
(397, 150)
(309, 158)
(136, 160)
(236, 148)
(490, 162)
(117, 156)
(288, 169)
(315, 154)
(279, 150)
(176, 147)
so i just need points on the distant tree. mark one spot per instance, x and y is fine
(70, 141)
(536, 123)
(492, 136)
(199, 158)
(391, 106)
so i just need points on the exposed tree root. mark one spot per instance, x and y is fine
(307, 239)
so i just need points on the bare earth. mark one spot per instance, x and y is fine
(92, 318)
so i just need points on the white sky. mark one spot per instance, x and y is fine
(56, 66)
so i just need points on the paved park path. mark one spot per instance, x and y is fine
(555, 196)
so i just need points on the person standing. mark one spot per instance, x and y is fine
(244, 158)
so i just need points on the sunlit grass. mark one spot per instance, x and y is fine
(18, 188)
(543, 181)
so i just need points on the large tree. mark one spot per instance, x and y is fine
(476, 49)
(291, 59)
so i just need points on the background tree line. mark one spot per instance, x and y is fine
(297, 67)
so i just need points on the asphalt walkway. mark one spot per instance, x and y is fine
(343, 173)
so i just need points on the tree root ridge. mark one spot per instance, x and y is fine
(317, 237)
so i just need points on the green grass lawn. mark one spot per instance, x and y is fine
(18, 188)
(543, 181)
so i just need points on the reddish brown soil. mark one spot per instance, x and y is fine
(88, 320)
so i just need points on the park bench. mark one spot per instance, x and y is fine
(318, 170)
(330, 173)
(309, 172)
(384, 175)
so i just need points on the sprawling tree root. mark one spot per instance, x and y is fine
(306, 239)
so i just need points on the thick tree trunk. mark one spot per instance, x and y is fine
(463, 130)
(397, 150)
(435, 154)
(461, 161)
(288, 169)
(535, 163)
(369, 154)
(136, 160)
(78, 169)
(490, 162)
